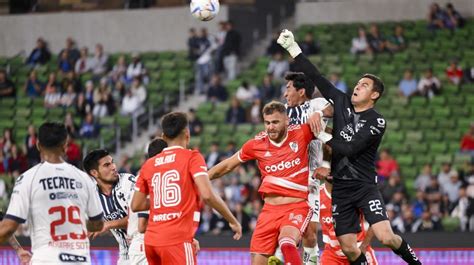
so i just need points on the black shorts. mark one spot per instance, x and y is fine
(350, 199)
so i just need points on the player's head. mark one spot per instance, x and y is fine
(100, 164)
(298, 88)
(367, 91)
(52, 136)
(175, 127)
(275, 120)
(156, 146)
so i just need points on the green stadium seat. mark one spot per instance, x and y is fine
(443, 158)
(405, 160)
(433, 135)
(438, 147)
(424, 159)
(414, 136)
(394, 137)
(418, 148)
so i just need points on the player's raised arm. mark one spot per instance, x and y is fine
(327, 89)
(224, 167)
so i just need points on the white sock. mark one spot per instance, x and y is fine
(309, 253)
(279, 254)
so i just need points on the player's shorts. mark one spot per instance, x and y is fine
(182, 253)
(349, 199)
(136, 253)
(329, 256)
(313, 196)
(270, 221)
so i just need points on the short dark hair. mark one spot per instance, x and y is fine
(378, 85)
(92, 159)
(52, 135)
(273, 106)
(173, 124)
(300, 81)
(156, 146)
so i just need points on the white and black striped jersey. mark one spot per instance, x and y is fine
(116, 206)
(299, 115)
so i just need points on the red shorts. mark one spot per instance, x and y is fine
(329, 256)
(270, 221)
(180, 254)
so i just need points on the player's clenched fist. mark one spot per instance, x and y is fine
(287, 41)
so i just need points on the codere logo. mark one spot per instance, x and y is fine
(283, 165)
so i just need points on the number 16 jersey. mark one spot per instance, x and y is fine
(174, 199)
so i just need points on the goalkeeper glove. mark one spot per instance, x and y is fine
(287, 41)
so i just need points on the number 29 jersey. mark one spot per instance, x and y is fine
(56, 199)
(174, 199)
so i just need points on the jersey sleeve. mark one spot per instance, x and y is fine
(128, 183)
(94, 209)
(318, 104)
(197, 165)
(20, 200)
(307, 133)
(327, 89)
(141, 185)
(370, 133)
(247, 151)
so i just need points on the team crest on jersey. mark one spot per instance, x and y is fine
(296, 219)
(294, 146)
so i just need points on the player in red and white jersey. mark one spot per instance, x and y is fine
(282, 155)
(58, 200)
(175, 179)
(332, 253)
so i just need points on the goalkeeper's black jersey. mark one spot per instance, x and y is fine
(356, 136)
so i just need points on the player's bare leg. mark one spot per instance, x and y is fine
(310, 245)
(258, 259)
(348, 244)
(384, 233)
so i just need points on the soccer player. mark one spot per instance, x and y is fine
(299, 107)
(282, 155)
(113, 189)
(332, 253)
(59, 202)
(137, 221)
(357, 132)
(176, 179)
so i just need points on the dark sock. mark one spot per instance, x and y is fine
(407, 254)
(361, 260)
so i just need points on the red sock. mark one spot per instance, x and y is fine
(290, 252)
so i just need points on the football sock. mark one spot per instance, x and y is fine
(290, 252)
(361, 260)
(407, 254)
(310, 255)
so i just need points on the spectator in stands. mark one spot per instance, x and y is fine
(386, 165)
(17, 161)
(84, 63)
(104, 106)
(73, 53)
(460, 210)
(3, 192)
(130, 103)
(408, 220)
(232, 190)
(230, 149)
(40, 54)
(434, 198)
(424, 179)
(73, 152)
(445, 173)
(33, 86)
(309, 46)
(139, 90)
(468, 76)
(408, 86)
(214, 155)
(392, 186)
(419, 204)
(119, 70)
(89, 128)
(135, 68)
(453, 18)
(64, 65)
(256, 112)
(52, 82)
(278, 67)
(195, 124)
(52, 97)
(71, 78)
(216, 91)
(436, 17)
(376, 41)
(82, 106)
(32, 153)
(193, 45)
(68, 99)
(203, 64)
(71, 127)
(231, 51)
(3, 162)
(337, 82)
(7, 141)
(246, 92)
(89, 93)
(242, 217)
(451, 190)
(429, 85)
(99, 61)
(274, 47)
(235, 114)
(427, 222)
(360, 44)
(397, 41)
(454, 72)
(118, 92)
(467, 141)
(267, 91)
(7, 88)
(103, 88)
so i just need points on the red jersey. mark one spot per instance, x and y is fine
(327, 226)
(174, 199)
(284, 165)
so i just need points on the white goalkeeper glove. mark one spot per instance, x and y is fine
(287, 41)
(324, 137)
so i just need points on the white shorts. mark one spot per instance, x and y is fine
(313, 196)
(124, 261)
(136, 253)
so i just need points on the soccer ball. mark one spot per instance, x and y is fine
(204, 10)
